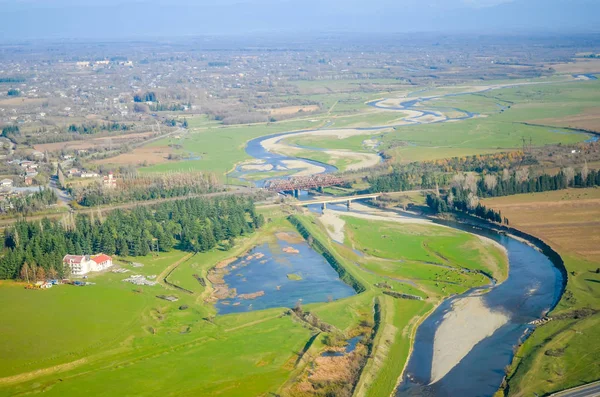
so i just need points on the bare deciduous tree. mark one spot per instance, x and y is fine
(585, 172)
(522, 174)
(491, 181)
(25, 272)
(569, 174)
(505, 175)
(450, 200)
(458, 180)
(471, 183)
(472, 200)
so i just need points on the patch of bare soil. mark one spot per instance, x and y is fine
(588, 120)
(293, 110)
(252, 295)
(331, 375)
(139, 156)
(290, 250)
(289, 237)
(580, 66)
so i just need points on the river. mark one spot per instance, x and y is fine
(417, 113)
(533, 287)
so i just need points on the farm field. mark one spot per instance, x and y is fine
(562, 353)
(122, 331)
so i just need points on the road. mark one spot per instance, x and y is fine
(589, 390)
(63, 197)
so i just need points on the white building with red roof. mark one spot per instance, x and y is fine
(83, 264)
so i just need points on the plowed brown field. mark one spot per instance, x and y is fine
(569, 220)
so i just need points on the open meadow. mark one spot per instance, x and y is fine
(218, 149)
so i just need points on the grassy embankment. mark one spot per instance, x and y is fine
(562, 353)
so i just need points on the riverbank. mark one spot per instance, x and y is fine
(464, 327)
(544, 364)
(495, 319)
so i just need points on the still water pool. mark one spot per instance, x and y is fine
(298, 275)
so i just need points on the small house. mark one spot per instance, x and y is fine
(6, 182)
(84, 264)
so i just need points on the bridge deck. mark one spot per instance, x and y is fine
(328, 200)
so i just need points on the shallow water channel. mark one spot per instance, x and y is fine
(285, 278)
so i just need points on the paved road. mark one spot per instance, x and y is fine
(590, 390)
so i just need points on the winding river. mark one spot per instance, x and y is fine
(267, 150)
(533, 287)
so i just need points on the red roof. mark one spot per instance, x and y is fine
(101, 258)
(73, 258)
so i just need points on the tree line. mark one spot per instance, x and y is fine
(195, 225)
(401, 179)
(95, 128)
(175, 107)
(143, 188)
(146, 97)
(466, 189)
(10, 130)
(463, 203)
(34, 202)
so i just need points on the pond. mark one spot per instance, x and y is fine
(280, 274)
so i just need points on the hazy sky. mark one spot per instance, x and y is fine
(27, 19)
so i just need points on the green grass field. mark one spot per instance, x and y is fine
(392, 345)
(220, 148)
(414, 247)
(117, 336)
